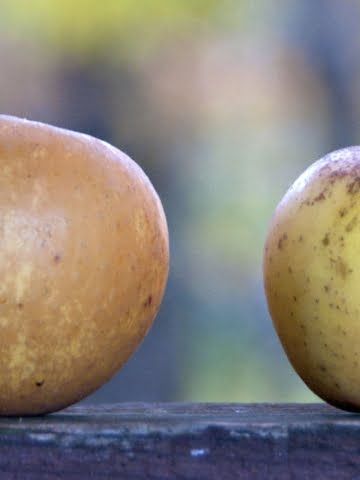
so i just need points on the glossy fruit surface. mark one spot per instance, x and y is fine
(83, 264)
(312, 276)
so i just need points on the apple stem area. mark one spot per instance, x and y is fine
(183, 441)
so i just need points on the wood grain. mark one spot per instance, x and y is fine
(183, 441)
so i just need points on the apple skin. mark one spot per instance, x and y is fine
(312, 277)
(84, 259)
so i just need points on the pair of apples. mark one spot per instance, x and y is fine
(84, 258)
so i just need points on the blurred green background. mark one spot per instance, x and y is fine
(223, 104)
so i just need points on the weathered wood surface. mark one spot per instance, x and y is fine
(183, 441)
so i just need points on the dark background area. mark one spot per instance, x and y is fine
(223, 104)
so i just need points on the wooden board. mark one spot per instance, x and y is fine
(183, 441)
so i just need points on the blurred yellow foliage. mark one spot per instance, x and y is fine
(86, 24)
